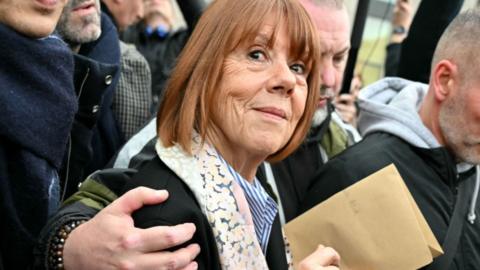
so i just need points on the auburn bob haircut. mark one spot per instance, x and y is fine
(190, 93)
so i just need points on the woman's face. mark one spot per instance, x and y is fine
(34, 18)
(263, 91)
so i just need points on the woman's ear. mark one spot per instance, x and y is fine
(444, 79)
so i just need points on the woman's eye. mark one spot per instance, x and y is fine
(298, 68)
(257, 55)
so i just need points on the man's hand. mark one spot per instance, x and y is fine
(110, 240)
(345, 106)
(324, 258)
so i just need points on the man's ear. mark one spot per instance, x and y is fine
(444, 79)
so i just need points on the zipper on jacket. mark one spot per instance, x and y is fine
(67, 170)
(471, 213)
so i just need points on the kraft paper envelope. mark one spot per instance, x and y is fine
(374, 225)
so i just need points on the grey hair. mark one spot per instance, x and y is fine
(460, 41)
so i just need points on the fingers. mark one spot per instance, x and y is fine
(322, 258)
(179, 259)
(159, 237)
(136, 198)
(327, 256)
(191, 266)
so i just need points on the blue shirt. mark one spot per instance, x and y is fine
(262, 206)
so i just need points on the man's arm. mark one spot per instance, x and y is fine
(109, 239)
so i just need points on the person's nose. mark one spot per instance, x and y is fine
(283, 79)
(328, 75)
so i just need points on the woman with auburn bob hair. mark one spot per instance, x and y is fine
(243, 91)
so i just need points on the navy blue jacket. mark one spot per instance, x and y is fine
(107, 136)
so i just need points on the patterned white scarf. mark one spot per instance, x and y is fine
(221, 200)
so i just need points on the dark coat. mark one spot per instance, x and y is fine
(97, 147)
(182, 207)
(430, 175)
(90, 86)
(107, 137)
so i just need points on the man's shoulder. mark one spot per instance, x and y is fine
(181, 205)
(373, 147)
(371, 154)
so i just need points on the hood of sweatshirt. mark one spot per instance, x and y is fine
(391, 105)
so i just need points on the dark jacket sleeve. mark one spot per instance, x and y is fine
(431, 19)
(392, 59)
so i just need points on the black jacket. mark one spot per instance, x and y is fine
(430, 175)
(90, 86)
(182, 207)
(107, 137)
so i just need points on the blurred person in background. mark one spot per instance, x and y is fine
(123, 12)
(401, 20)
(429, 22)
(156, 39)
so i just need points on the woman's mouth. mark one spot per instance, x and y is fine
(273, 112)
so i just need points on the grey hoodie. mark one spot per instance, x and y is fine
(391, 105)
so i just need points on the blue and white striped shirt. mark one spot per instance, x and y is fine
(262, 206)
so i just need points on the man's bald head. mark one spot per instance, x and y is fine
(460, 43)
(450, 109)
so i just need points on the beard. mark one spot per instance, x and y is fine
(85, 29)
(319, 116)
(455, 131)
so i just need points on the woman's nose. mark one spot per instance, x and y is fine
(283, 79)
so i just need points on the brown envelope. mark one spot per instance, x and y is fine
(374, 225)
